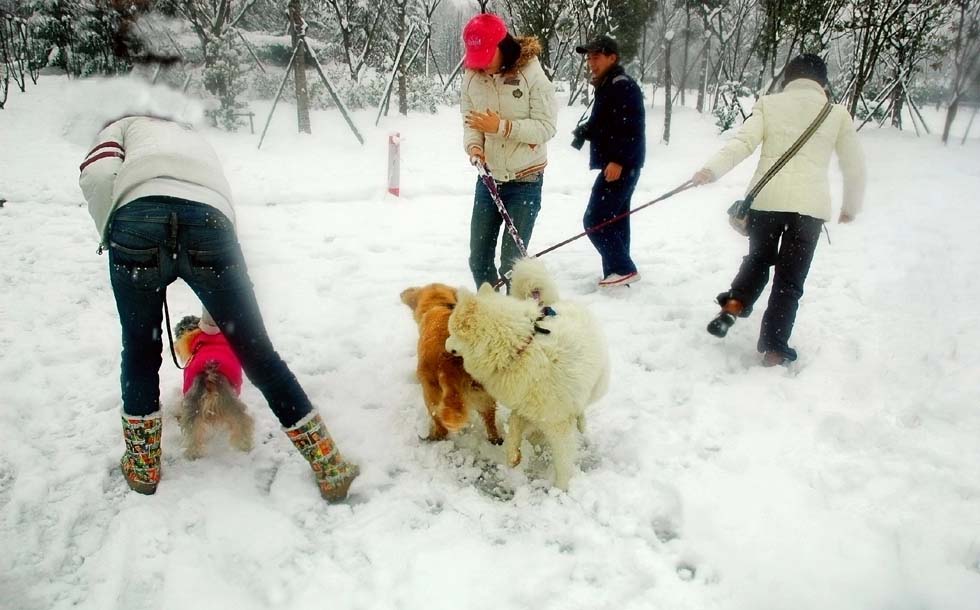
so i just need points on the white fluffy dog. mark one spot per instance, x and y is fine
(544, 358)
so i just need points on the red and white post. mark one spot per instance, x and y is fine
(394, 162)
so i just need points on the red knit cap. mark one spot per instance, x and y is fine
(481, 36)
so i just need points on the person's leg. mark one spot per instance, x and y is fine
(764, 228)
(625, 227)
(484, 229)
(792, 266)
(523, 202)
(140, 267)
(608, 200)
(594, 212)
(213, 265)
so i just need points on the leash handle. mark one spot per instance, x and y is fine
(491, 184)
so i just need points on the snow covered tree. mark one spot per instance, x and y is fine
(360, 26)
(789, 28)
(915, 39)
(538, 18)
(215, 23)
(223, 79)
(870, 24)
(966, 56)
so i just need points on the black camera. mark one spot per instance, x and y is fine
(579, 135)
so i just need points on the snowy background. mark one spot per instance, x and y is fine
(850, 481)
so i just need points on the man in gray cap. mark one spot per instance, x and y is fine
(617, 146)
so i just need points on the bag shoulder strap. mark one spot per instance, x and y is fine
(795, 148)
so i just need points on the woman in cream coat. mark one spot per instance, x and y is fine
(508, 107)
(787, 215)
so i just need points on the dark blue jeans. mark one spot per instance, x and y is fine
(152, 242)
(610, 199)
(522, 200)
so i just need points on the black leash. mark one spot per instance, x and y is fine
(172, 242)
(170, 335)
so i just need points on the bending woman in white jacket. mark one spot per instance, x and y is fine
(163, 209)
(786, 216)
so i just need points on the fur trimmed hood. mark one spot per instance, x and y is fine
(530, 48)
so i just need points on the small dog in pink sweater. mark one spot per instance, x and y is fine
(212, 384)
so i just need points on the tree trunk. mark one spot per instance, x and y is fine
(687, 46)
(402, 76)
(898, 96)
(298, 30)
(703, 84)
(950, 117)
(856, 94)
(667, 85)
(898, 100)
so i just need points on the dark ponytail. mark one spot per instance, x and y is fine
(510, 53)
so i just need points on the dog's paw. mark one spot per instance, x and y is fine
(495, 440)
(437, 432)
(514, 457)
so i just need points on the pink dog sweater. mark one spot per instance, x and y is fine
(205, 348)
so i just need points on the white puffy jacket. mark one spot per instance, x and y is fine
(802, 185)
(525, 100)
(139, 156)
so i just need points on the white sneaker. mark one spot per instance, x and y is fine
(615, 279)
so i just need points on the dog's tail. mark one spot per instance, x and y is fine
(531, 280)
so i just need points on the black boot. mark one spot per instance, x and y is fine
(720, 325)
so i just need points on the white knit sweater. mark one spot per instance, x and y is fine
(140, 156)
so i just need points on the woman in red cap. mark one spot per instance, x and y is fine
(508, 107)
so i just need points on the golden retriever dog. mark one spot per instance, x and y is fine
(448, 390)
(544, 358)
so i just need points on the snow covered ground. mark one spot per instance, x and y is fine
(850, 481)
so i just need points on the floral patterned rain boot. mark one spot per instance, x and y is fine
(141, 462)
(333, 473)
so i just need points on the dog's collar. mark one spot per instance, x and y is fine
(545, 313)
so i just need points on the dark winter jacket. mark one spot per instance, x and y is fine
(617, 127)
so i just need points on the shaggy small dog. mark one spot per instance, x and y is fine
(448, 390)
(212, 383)
(543, 357)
